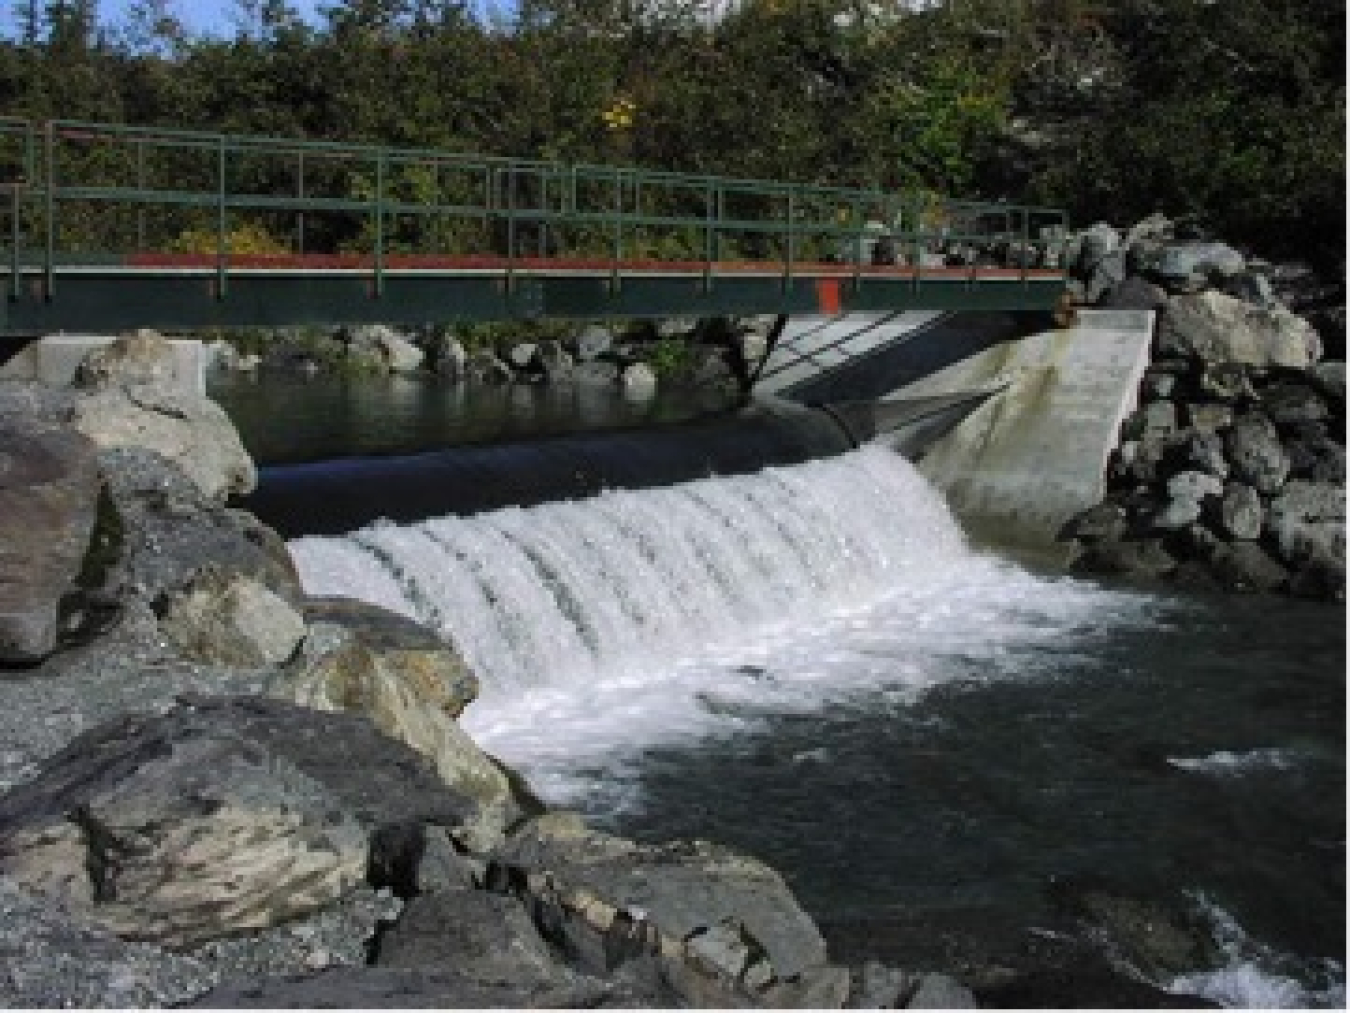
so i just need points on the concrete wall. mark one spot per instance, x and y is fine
(1035, 454)
(54, 359)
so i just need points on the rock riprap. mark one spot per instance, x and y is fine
(1231, 472)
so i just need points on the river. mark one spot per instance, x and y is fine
(958, 761)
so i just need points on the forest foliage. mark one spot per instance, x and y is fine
(1228, 112)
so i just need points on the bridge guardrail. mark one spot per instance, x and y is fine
(83, 192)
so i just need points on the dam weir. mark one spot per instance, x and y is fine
(580, 592)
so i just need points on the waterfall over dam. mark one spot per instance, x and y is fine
(603, 627)
(575, 592)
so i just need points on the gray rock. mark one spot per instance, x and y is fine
(1207, 416)
(1158, 386)
(596, 373)
(1225, 382)
(1144, 558)
(1245, 566)
(1289, 403)
(1106, 274)
(937, 991)
(1194, 486)
(557, 364)
(1144, 465)
(450, 358)
(484, 367)
(177, 838)
(220, 816)
(638, 378)
(1135, 293)
(1189, 266)
(172, 531)
(1091, 246)
(593, 342)
(1256, 455)
(1329, 378)
(412, 686)
(1217, 328)
(523, 355)
(380, 348)
(1251, 287)
(1240, 512)
(1307, 521)
(1176, 514)
(402, 355)
(471, 931)
(192, 432)
(1203, 451)
(223, 618)
(718, 927)
(1152, 420)
(1316, 457)
(400, 647)
(49, 490)
(142, 357)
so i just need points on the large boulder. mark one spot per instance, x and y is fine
(714, 927)
(222, 815)
(172, 532)
(1256, 454)
(192, 432)
(380, 348)
(1307, 523)
(49, 491)
(1240, 513)
(144, 356)
(1187, 267)
(412, 686)
(223, 618)
(1216, 328)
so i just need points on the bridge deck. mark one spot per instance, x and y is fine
(111, 226)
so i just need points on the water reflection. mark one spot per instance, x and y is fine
(289, 418)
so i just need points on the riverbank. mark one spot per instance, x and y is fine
(351, 896)
(222, 792)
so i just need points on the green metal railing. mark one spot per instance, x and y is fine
(98, 193)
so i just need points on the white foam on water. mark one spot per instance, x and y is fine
(603, 627)
(1226, 762)
(1257, 976)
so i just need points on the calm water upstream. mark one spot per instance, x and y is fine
(947, 754)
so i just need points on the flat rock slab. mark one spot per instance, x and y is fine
(716, 927)
(224, 815)
(49, 486)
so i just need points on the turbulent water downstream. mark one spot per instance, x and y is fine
(812, 664)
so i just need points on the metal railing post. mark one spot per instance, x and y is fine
(140, 185)
(301, 195)
(379, 223)
(222, 223)
(49, 251)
